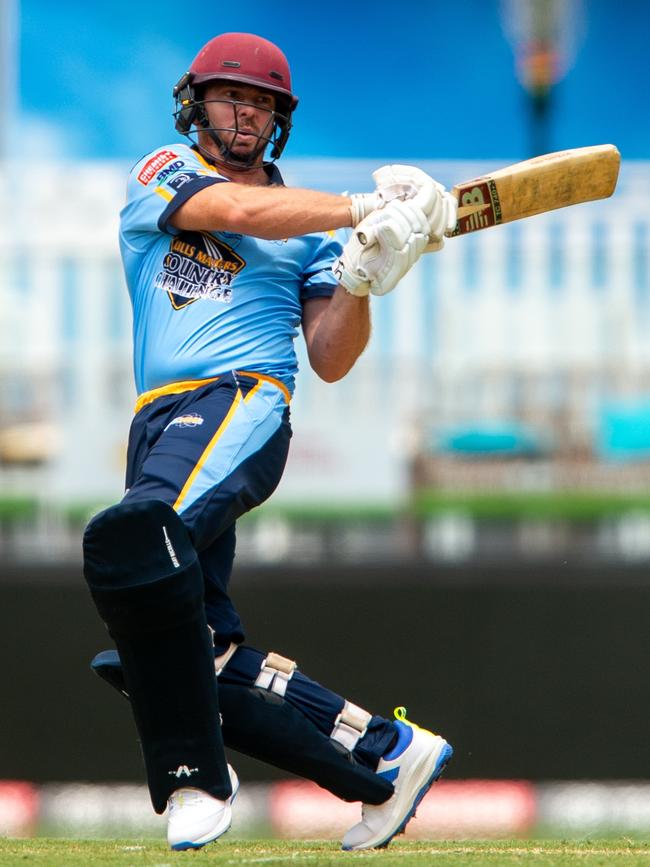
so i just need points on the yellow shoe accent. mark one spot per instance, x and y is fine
(400, 714)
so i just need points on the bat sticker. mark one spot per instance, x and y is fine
(480, 207)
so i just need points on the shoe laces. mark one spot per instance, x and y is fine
(400, 715)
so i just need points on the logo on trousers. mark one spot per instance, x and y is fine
(170, 549)
(183, 771)
(192, 419)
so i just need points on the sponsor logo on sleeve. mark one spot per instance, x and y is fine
(151, 168)
(182, 179)
(171, 168)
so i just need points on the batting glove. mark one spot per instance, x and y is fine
(409, 182)
(391, 182)
(383, 248)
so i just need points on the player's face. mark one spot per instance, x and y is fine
(240, 114)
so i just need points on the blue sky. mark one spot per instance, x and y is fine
(420, 80)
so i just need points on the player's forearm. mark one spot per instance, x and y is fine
(271, 213)
(341, 336)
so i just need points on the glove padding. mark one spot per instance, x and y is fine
(391, 182)
(411, 183)
(384, 246)
(400, 182)
(363, 204)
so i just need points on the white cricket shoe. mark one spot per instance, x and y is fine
(196, 818)
(415, 762)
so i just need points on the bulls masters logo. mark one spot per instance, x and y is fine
(198, 266)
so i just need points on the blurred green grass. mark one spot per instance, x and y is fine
(133, 853)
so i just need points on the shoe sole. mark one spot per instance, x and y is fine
(441, 763)
(184, 845)
(198, 844)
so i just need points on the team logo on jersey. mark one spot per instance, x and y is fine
(151, 168)
(198, 266)
(192, 419)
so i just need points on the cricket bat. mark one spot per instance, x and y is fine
(531, 187)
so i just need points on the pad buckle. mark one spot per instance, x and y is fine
(275, 674)
(350, 725)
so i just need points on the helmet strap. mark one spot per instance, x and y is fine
(226, 155)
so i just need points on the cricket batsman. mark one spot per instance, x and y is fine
(224, 264)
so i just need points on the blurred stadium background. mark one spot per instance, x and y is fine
(468, 512)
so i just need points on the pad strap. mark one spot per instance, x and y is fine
(220, 662)
(350, 725)
(275, 674)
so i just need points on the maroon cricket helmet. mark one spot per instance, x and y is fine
(248, 59)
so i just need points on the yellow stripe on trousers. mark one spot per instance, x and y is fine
(253, 391)
(206, 452)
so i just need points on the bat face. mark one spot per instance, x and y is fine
(545, 183)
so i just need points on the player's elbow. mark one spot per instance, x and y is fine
(330, 376)
(331, 370)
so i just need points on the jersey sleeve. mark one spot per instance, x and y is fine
(158, 185)
(319, 280)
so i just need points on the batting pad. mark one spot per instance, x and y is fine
(270, 728)
(147, 584)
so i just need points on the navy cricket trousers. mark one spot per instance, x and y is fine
(212, 451)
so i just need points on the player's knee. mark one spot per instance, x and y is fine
(132, 544)
(142, 569)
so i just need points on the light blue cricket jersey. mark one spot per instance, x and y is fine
(205, 303)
